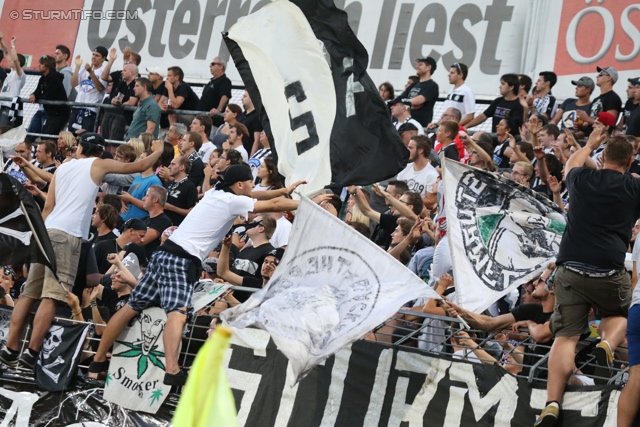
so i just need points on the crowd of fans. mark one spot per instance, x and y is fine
(154, 201)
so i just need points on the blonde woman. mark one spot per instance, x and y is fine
(147, 139)
(137, 145)
(66, 142)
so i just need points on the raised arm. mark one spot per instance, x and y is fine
(579, 157)
(76, 71)
(96, 81)
(272, 194)
(223, 264)
(101, 167)
(401, 207)
(468, 142)
(543, 171)
(14, 57)
(362, 204)
(107, 68)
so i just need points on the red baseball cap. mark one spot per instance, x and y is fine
(607, 119)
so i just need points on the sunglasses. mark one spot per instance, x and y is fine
(214, 63)
(457, 66)
(602, 73)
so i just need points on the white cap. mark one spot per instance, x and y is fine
(156, 70)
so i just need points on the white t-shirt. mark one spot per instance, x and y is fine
(206, 150)
(419, 181)
(87, 91)
(243, 152)
(12, 86)
(280, 237)
(461, 98)
(209, 221)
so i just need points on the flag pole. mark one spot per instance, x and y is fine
(35, 235)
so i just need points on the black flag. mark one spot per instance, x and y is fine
(60, 355)
(282, 73)
(23, 235)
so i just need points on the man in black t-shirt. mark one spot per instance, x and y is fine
(591, 270)
(608, 101)
(533, 316)
(632, 103)
(115, 121)
(103, 222)
(217, 93)
(157, 221)
(249, 259)
(423, 93)
(182, 194)
(506, 106)
(178, 95)
(271, 261)
(133, 231)
(633, 121)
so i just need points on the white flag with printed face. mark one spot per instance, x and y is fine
(332, 287)
(501, 234)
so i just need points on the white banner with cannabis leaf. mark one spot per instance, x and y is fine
(137, 368)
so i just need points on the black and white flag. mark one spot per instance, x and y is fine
(305, 71)
(23, 235)
(60, 355)
(501, 234)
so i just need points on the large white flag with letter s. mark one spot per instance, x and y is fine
(300, 100)
(332, 287)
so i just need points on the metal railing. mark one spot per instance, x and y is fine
(433, 336)
(101, 108)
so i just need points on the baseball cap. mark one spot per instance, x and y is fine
(405, 101)
(8, 271)
(634, 81)
(156, 70)
(91, 143)
(277, 253)
(611, 71)
(102, 51)
(91, 138)
(236, 173)
(584, 81)
(607, 119)
(429, 60)
(210, 265)
(135, 223)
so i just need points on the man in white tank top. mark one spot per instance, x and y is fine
(67, 216)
